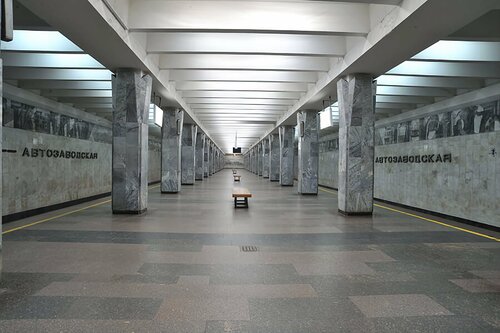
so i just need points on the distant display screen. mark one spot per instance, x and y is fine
(237, 150)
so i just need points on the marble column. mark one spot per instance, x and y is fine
(131, 99)
(286, 155)
(274, 157)
(265, 157)
(259, 159)
(209, 158)
(356, 96)
(1, 170)
(205, 158)
(217, 161)
(188, 152)
(6, 24)
(251, 160)
(171, 134)
(212, 159)
(200, 156)
(255, 162)
(216, 154)
(308, 154)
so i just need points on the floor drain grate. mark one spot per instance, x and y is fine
(248, 248)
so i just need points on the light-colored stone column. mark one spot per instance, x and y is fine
(251, 160)
(256, 159)
(308, 154)
(206, 158)
(171, 133)
(274, 157)
(200, 156)
(259, 159)
(1, 169)
(188, 152)
(212, 159)
(356, 95)
(209, 158)
(265, 157)
(286, 155)
(131, 99)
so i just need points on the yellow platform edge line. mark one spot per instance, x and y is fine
(429, 220)
(63, 214)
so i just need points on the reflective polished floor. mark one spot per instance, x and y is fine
(289, 263)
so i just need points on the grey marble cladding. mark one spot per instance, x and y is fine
(470, 119)
(1, 157)
(308, 153)
(206, 158)
(131, 98)
(171, 133)
(286, 155)
(356, 94)
(274, 157)
(328, 174)
(265, 157)
(31, 118)
(468, 187)
(259, 159)
(188, 153)
(212, 159)
(200, 156)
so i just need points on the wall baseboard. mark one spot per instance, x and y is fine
(445, 216)
(37, 211)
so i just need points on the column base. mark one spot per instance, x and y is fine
(169, 192)
(355, 213)
(308, 193)
(274, 180)
(286, 184)
(129, 212)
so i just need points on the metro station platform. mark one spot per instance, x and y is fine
(288, 263)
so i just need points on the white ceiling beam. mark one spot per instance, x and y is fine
(77, 93)
(242, 94)
(447, 69)
(186, 15)
(237, 114)
(197, 107)
(242, 75)
(239, 118)
(253, 101)
(236, 121)
(56, 74)
(40, 41)
(61, 84)
(49, 60)
(414, 91)
(399, 106)
(404, 99)
(447, 50)
(241, 86)
(246, 43)
(94, 105)
(244, 62)
(421, 81)
(86, 100)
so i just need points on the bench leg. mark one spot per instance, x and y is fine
(241, 203)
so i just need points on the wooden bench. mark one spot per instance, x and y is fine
(241, 196)
(237, 178)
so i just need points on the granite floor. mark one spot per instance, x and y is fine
(181, 267)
